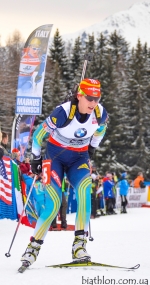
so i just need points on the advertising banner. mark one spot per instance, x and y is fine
(30, 86)
(136, 197)
(21, 132)
(32, 72)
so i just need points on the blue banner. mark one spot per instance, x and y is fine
(32, 72)
(21, 132)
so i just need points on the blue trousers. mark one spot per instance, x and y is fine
(75, 165)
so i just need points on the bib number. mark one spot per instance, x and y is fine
(46, 171)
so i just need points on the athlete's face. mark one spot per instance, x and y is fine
(85, 106)
(33, 50)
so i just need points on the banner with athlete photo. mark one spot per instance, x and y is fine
(32, 72)
(21, 133)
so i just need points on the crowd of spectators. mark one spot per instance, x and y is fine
(104, 192)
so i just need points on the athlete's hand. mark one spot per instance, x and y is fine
(37, 79)
(36, 163)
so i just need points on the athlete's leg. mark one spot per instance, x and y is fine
(25, 84)
(53, 196)
(79, 177)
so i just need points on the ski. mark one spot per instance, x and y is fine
(23, 267)
(91, 263)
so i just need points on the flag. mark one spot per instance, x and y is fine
(5, 180)
(8, 207)
(30, 86)
(21, 197)
(17, 187)
(32, 72)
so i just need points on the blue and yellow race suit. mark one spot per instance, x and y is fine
(67, 148)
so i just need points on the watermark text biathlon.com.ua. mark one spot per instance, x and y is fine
(113, 281)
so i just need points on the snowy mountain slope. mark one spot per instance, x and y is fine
(132, 24)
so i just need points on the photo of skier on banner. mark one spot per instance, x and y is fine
(32, 66)
(32, 72)
(21, 133)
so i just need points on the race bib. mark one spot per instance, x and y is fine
(46, 171)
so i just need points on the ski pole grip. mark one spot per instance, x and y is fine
(88, 56)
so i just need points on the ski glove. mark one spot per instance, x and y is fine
(1, 153)
(91, 151)
(36, 163)
(38, 79)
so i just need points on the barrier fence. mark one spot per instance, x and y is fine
(137, 197)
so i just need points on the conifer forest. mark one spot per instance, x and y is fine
(124, 73)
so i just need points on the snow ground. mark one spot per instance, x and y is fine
(122, 239)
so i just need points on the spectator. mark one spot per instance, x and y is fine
(139, 181)
(63, 207)
(23, 166)
(123, 187)
(16, 155)
(100, 194)
(4, 143)
(1, 149)
(94, 196)
(115, 179)
(108, 185)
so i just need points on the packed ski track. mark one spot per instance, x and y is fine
(122, 240)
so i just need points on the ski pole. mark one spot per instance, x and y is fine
(90, 237)
(87, 57)
(8, 253)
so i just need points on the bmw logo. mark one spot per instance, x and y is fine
(80, 133)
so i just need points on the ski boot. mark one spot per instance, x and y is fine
(31, 252)
(125, 210)
(102, 213)
(79, 252)
(63, 224)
